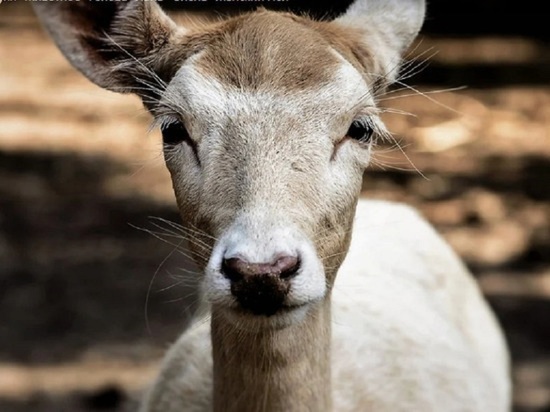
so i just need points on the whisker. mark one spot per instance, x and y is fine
(197, 242)
(135, 59)
(398, 145)
(149, 288)
(184, 229)
(397, 111)
(180, 250)
(427, 95)
(416, 65)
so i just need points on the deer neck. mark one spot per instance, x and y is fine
(276, 370)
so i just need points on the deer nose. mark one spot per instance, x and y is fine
(237, 269)
(261, 288)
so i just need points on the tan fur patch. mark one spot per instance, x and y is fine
(279, 51)
(346, 41)
(271, 50)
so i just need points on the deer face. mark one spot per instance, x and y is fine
(270, 165)
(268, 122)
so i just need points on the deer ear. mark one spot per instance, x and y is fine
(115, 44)
(387, 28)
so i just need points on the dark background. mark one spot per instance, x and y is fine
(78, 175)
(463, 18)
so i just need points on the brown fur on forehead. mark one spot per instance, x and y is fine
(277, 50)
(347, 42)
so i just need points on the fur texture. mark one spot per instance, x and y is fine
(277, 116)
(411, 333)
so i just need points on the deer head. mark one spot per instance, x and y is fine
(268, 122)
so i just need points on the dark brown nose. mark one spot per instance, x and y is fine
(261, 287)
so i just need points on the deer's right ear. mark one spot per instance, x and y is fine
(116, 44)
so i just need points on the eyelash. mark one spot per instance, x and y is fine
(175, 133)
(361, 130)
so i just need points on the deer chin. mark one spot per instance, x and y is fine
(246, 320)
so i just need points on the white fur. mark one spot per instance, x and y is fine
(253, 239)
(272, 169)
(411, 331)
(205, 97)
(388, 26)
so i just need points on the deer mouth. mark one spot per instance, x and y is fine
(261, 295)
(287, 315)
(267, 311)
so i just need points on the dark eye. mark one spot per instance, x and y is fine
(361, 131)
(174, 133)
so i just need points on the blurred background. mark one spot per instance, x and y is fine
(89, 300)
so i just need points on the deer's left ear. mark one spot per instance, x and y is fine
(116, 44)
(387, 28)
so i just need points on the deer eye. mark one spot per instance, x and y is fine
(174, 133)
(361, 131)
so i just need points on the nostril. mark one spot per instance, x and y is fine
(261, 288)
(237, 269)
(287, 266)
(233, 269)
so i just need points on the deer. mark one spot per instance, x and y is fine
(269, 120)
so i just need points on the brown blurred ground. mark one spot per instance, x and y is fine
(78, 174)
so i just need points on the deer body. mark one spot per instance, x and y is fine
(269, 120)
(408, 333)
